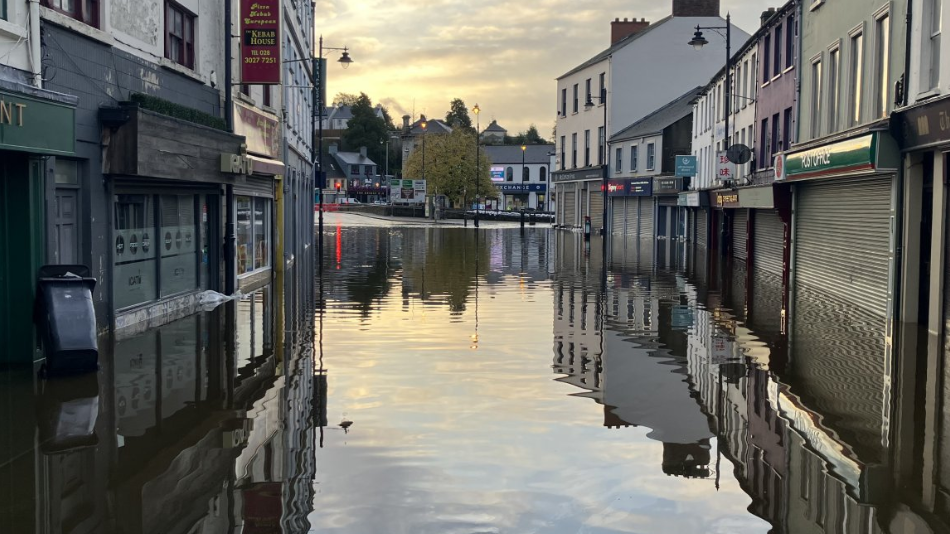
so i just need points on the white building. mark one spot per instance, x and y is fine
(521, 190)
(643, 66)
(709, 124)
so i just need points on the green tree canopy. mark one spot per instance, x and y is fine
(450, 166)
(457, 117)
(345, 99)
(366, 129)
(529, 137)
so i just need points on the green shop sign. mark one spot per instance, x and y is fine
(853, 156)
(32, 125)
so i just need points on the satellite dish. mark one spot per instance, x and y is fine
(739, 154)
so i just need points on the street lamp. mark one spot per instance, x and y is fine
(317, 116)
(698, 42)
(476, 110)
(425, 126)
(523, 148)
(589, 104)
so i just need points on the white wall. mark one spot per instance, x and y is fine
(639, 144)
(918, 83)
(14, 45)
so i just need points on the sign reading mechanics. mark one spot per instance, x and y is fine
(260, 42)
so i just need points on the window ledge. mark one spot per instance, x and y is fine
(930, 93)
(180, 69)
(816, 4)
(14, 30)
(244, 98)
(270, 110)
(766, 84)
(788, 69)
(79, 27)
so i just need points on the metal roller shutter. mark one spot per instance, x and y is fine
(633, 213)
(569, 209)
(596, 210)
(583, 194)
(843, 239)
(618, 215)
(740, 220)
(702, 217)
(258, 186)
(646, 218)
(768, 243)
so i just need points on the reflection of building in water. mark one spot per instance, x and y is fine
(577, 339)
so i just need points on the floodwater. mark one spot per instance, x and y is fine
(454, 380)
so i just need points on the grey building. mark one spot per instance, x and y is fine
(527, 187)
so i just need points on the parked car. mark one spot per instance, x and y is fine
(349, 200)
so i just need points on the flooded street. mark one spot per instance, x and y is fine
(498, 380)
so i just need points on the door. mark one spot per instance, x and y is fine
(66, 227)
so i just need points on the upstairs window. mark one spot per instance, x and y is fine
(789, 41)
(766, 66)
(777, 64)
(179, 35)
(86, 11)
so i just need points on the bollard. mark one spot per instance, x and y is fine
(522, 218)
(587, 227)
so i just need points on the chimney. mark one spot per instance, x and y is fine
(333, 148)
(767, 15)
(362, 151)
(405, 123)
(620, 30)
(695, 8)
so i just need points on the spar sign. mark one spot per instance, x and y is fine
(260, 42)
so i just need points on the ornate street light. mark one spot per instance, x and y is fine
(476, 110)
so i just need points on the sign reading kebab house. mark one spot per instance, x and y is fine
(260, 42)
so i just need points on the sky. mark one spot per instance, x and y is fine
(416, 56)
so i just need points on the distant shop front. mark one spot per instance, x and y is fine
(631, 207)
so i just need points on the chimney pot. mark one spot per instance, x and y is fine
(363, 151)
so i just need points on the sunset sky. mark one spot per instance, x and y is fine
(415, 56)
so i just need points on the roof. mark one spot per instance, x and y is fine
(661, 118)
(341, 112)
(353, 158)
(433, 126)
(494, 127)
(617, 46)
(512, 153)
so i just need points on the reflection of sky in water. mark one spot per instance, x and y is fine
(449, 439)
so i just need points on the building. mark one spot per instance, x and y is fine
(585, 121)
(338, 117)
(527, 188)
(493, 134)
(643, 187)
(412, 134)
(356, 175)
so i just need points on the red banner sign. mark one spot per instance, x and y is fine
(260, 42)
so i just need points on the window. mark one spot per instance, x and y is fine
(354, 170)
(766, 67)
(544, 174)
(253, 234)
(564, 102)
(587, 91)
(3, 9)
(764, 144)
(618, 168)
(86, 11)
(777, 63)
(774, 142)
(563, 152)
(754, 87)
(525, 174)
(651, 156)
(179, 244)
(266, 100)
(245, 89)
(932, 69)
(634, 153)
(855, 83)
(789, 41)
(134, 268)
(575, 98)
(509, 174)
(179, 35)
(586, 148)
(816, 98)
(787, 129)
(745, 83)
(736, 80)
(600, 146)
(603, 84)
(882, 59)
(834, 66)
(574, 150)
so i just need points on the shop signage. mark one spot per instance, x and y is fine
(260, 42)
(640, 187)
(33, 125)
(262, 132)
(590, 174)
(843, 157)
(925, 125)
(667, 185)
(727, 199)
(725, 169)
(757, 197)
(521, 188)
(616, 188)
(692, 199)
(498, 174)
(686, 165)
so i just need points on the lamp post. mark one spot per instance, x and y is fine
(523, 149)
(476, 110)
(698, 42)
(425, 125)
(317, 116)
(603, 223)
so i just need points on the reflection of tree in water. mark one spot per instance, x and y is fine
(369, 281)
(448, 266)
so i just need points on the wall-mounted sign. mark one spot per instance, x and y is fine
(725, 169)
(260, 42)
(33, 125)
(617, 188)
(498, 174)
(513, 189)
(667, 185)
(262, 132)
(857, 155)
(570, 176)
(727, 199)
(686, 165)
(692, 199)
(640, 187)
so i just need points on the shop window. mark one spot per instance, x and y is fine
(179, 35)
(86, 11)
(134, 253)
(544, 174)
(178, 247)
(253, 234)
(509, 174)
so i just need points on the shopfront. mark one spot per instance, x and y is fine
(517, 197)
(34, 124)
(844, 205)
(628, 199)
(670, 217)
(573, 198)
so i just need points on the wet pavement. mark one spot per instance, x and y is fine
(499, 380)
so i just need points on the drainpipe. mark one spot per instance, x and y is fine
(908, 31)
(230, 232)
(35, 45)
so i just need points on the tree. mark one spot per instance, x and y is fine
(450, 166)
(457, 117)
(345, 99)
(529, 137)
(366, 129)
